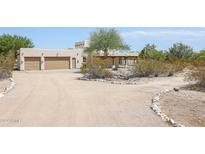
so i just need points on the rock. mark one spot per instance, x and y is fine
(178, 125)
(159, 113)
(166, 91)
(170, 74)
(128, 82)
(164, 117)
(176, 89)
(156, 98)
(172, 121)
(155, 106)
(156, 103)
(1, 95)
(11, 79)
(114, 67)
(8, 88)
(13, 83)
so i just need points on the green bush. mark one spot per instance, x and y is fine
(13, 43)
(7, 62)
(200, 55)
(150, 52)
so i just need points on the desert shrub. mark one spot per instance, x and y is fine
(200, 55)
(150, 52)
(107, 74)
(83, 69)
(146, 68)
(7, 62)
(197, 72)
(179, 64)
(96, 68)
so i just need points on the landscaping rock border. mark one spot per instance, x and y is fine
(8, 87)
(111, 81)
(156, 107)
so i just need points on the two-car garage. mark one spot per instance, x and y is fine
(50, 63)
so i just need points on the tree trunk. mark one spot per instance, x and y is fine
(105, 52)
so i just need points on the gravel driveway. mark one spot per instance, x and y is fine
(58, 98)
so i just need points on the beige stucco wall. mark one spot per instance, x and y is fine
(35, 52)
(72, 53)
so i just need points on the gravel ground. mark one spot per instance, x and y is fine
(58, 98)
(185, 106)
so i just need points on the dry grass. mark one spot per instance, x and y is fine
(146, 68)
(198, 73)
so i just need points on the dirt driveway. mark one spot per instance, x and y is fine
(58, 98)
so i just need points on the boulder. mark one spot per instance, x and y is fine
(176, 89)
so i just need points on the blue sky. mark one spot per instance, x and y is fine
(163, 38)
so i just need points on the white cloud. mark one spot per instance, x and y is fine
(165, 34)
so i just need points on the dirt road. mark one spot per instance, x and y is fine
(58, 98)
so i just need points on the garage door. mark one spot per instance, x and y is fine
(32, 63)
(57, 63)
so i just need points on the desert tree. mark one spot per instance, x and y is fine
(181, 51)
(106, 39)
(12, 43)
(150, 52)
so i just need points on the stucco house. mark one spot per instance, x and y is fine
(72, 58)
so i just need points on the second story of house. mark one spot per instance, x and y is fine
(82, 44)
